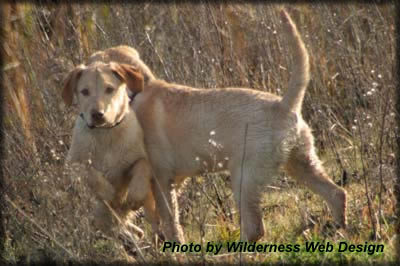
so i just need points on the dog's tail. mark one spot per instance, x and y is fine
(293, 98)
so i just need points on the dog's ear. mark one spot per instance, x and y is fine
(70, 83)
(130, 75)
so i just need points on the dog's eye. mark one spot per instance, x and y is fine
(109, 90)
(85, 92)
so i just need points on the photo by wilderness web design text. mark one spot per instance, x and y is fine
(312, 246)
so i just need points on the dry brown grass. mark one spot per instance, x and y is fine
(349, 104)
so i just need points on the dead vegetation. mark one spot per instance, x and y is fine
(349, 104)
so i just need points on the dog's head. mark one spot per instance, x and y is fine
(101, 91)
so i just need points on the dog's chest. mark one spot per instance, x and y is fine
(109, 154)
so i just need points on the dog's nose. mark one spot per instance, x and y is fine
(97, 115)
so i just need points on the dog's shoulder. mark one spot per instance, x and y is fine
(123, 49)
(122, 54)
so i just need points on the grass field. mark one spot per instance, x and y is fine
(350, 104)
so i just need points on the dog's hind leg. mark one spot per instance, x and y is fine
(248, 186)
(303, 164)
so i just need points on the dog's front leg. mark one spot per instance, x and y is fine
(79, 160)
(167, 206)
(104, 193)
(99, 185)
(151, 213)
(133, 183)
(95, 179)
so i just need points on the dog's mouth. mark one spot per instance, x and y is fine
(92, 126)
(98, 124)
(101, 124)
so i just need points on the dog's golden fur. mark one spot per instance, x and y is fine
(108, 134)
(177, 121)
(124, 55)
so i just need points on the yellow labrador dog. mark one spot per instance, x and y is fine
(108, 134)
(255, 134)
